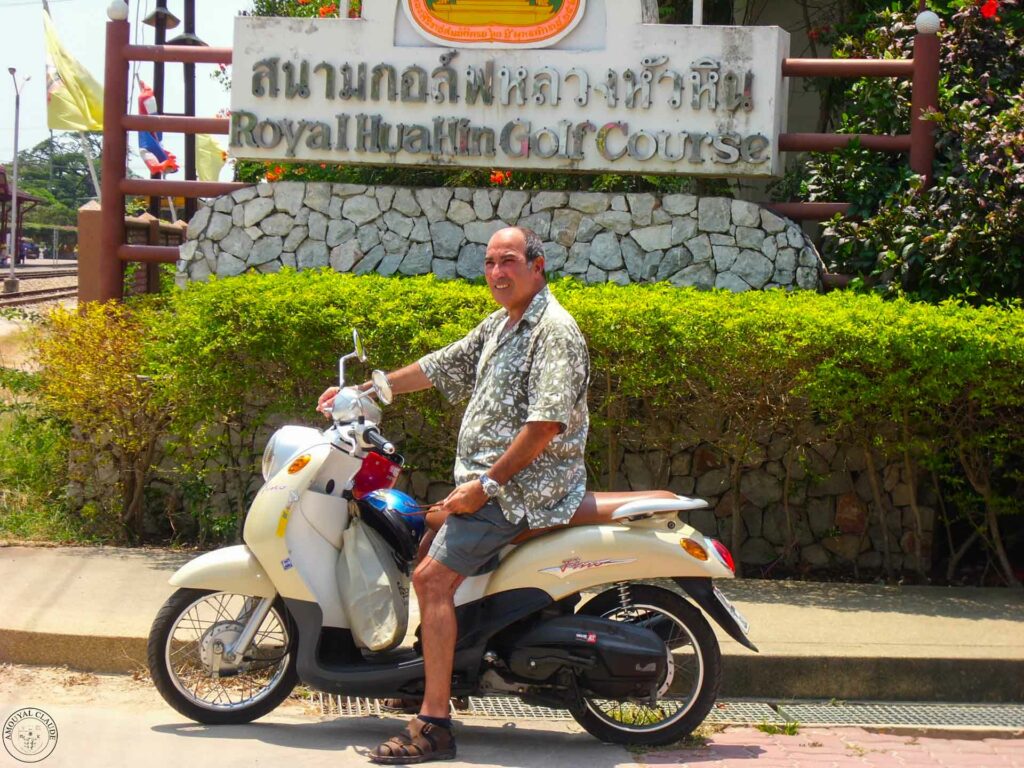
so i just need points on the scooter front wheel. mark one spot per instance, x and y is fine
(694, 672)
(186, 661)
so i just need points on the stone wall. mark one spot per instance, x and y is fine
(622, 238)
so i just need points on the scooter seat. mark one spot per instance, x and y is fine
(599, 507)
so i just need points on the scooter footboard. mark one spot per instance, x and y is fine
(231, 569)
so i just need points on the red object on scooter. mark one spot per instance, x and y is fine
(376, 473)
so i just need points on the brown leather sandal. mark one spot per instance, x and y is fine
(420, 742)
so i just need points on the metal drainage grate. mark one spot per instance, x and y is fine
(511, 708)
(1010, 716)
(924, 715)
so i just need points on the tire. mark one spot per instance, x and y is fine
(697, 656)
(184, 631)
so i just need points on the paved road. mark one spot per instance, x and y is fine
(109, 721)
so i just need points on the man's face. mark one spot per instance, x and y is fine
(512, 279)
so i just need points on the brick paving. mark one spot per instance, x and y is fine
(842, 748)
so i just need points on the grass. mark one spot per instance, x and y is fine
(779, 729)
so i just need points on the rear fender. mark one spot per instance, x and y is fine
(232, 569)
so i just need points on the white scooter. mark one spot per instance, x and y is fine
(319, 594)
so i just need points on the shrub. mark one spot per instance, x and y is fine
(937, 387)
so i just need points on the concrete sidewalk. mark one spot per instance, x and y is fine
(91, 609)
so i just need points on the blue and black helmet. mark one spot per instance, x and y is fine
(397, 518)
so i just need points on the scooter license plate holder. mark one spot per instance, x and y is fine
(741, 622)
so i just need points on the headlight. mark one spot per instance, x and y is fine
(284, 444)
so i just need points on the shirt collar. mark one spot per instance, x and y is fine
(537, 306)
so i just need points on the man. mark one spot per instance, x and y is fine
(519, 462)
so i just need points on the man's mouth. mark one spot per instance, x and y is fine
(502, 286)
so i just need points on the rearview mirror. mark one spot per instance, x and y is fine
(357, 344)
(382, 387)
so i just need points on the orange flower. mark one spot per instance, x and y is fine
(328, 10)
(303, 2)
(501, 177)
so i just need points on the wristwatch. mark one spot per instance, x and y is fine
(491, 487)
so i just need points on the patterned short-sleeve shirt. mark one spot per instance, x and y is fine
(536, 371)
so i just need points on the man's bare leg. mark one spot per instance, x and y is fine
(435, 585)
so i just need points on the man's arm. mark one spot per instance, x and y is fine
(530, 443)
(411, 378)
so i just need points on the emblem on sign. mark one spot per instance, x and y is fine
(495, 23)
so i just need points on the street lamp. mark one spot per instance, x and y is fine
(11, 283)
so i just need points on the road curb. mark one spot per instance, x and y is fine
(746, 675)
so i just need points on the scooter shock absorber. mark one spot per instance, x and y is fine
(625, 598)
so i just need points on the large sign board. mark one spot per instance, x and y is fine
(566, 85)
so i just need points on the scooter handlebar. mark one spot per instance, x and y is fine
(378, 441)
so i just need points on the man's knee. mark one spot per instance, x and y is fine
(434, 580)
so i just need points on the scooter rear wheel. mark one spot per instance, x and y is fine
(180, 653)
(694, 677)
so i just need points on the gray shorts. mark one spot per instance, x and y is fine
(470, 544)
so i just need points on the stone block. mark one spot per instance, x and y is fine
(296, 238)
(288, 196)
(829, 484)
(540, 223)
(683, 228)
(318, 196)
(344, 257)
(464, 194)
(730, 282)
(511, 205)
(772, 223)
(808, 279)
(370, 261)
(851, 514)
(418, 260)
(405, 203)
(638, 472)
(444, 269)
(714, 214)
(746, 214)
(447, 239)
(243, 195)
(587, 231)
(589, 202)
(660, 217)
(433, 201)
(605, 252)
(753, 519)
(420, 230)
(470, 263)
(482, 205)
(758, 552)
(546, 201)
(312, 254)
(481, 231)
(748, 237)
(815, 556)
(390, 263)
(348, 190)
(564, 225)
(641, 206)
(360, 209)
(654, 238)
(579, 259)
(760, 488)
(619, 222)
(633, 256)
(725, 257)
(821, 515)
(555, 256)
(255, 211)
(369, 238)
(685, 485)
(846, 546)
(237, 243)
(265, 249)
(399, 223)
(713, 482)
(317, 226)
(219, 226)
(754, 268)
(385, 197)
(619, 277)
(229, 266)
(595, 275)
(674, 260)
(394, 243)
(700, 247)
(619, 203)
(701, 276)
(679, 205)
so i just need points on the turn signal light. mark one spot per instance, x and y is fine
(299, 464)
(723, 555)
(693, 549)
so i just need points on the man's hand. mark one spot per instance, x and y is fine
(465, 499)
(326, 401)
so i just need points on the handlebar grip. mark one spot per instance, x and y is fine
(378, 441)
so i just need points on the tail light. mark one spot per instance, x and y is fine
(723, 554)
(375, 474)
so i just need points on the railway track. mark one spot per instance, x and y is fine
(33, 274)
(38, 296)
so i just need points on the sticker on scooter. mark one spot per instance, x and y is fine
(282, 524)
(574, 565)
(587, 637)
(287, 564)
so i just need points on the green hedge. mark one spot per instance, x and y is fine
(939, 387)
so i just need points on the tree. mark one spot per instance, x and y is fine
(67, 186)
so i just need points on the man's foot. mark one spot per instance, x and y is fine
(420, 742)
(405, 706)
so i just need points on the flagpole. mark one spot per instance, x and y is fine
(90, 161)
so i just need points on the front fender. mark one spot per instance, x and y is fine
(231, 569)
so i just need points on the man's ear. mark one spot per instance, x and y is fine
(539, 262)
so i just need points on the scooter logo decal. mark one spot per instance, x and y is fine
(587, 637)
(287, 564)
(574, 565)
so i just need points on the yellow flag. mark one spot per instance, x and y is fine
(74, 100)
(210, 157)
